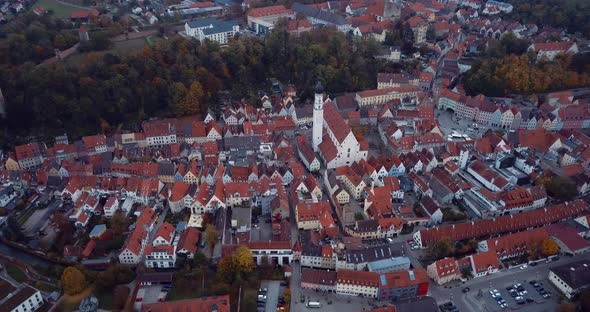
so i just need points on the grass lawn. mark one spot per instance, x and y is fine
(16, 273)
(59, 10)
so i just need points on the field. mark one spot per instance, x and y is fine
(59, 10)
(119, 48)
(15, 273)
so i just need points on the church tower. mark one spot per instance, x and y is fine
(318, 116)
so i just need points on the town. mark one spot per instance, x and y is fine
(459, 181)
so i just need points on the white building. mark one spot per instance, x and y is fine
(318, 117)
(23, 298)
(571, 278)
(161, 256)
(212, 29)
(339, 146)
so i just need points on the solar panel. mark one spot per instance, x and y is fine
(412, 276)
(383, 281)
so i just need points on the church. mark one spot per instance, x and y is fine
(332, 138)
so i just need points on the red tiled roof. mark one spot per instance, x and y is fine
(311, 211)
(165, 231)
(359, 278)
(189, 239)
(270, 245)
(403, 279)
(446, 267)
(483, 260)
(553, 46)
(204, 4)
(27, 151)
(84, 14)
(295, 25)
(269, 11)
(517, 242)
(335, 122)
(204, 304)
(568, 235)
(504, 224)
(94, 141)
(179, 190)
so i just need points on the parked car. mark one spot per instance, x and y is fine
(466, 289)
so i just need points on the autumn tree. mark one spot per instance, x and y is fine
(287, 296)
(211, 236)
(192, 101)
(178, 93)
(120, 294)
(549, 247)
(73, 281)
(237, 266)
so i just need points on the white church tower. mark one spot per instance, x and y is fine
(318, 116)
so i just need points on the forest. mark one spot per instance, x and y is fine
(569, 14)
(507, 68)
(107, 92)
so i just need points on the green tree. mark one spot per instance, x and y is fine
(211, 236)
(562, 188)
(119, 223)
(441, 248)
(73, 281)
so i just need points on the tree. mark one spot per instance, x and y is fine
(359, 216)
(441, 248)
(236, 267)
(192, 101)
(119, 223)
(211, 236)
(244, 259)
(466, 272)
(73, 281)
(287, 296)
(566, 307)
(113, 276)
(120, 294)
(550, 247)
(562, 188)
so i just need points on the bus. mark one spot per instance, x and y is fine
(313, 304)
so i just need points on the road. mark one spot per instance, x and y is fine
(272, 296)
(469, 302)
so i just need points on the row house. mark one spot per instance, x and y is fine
(208, 199)
(95, 144)
(514, 245)
(386, 95)
(162, 253)
(133, 250)
(351, 180)
(393, 286)
(308, 214)
(487, 176)
(306, 154)
(443, 271)
(318, 256)
(30, 155)
(318, 279)
(502, 224)
(160, 132)
(373, 229)
(187, 244)
(394, 80)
